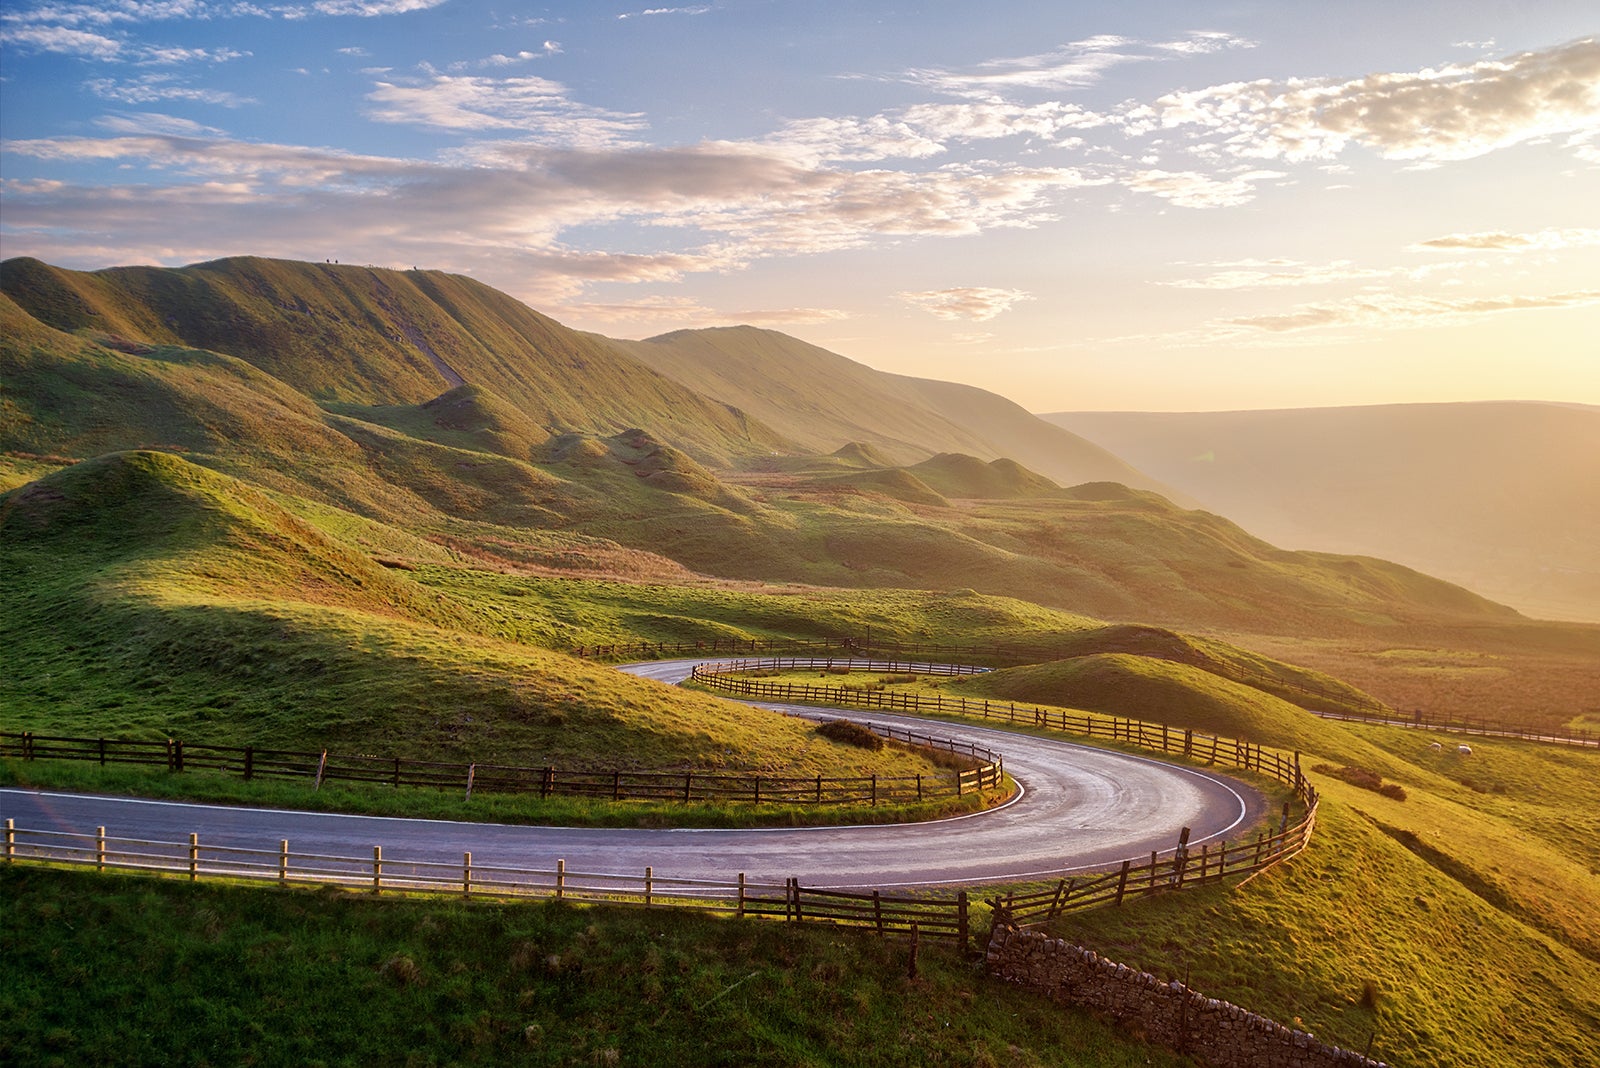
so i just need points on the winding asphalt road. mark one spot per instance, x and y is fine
(1080, 808)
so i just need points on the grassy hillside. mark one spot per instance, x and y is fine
(1501, 497)
(149, 597)
(369, 337)
(823, 401)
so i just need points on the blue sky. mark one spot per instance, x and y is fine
(1149, 206)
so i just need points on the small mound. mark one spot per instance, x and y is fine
(1117, 493)
(1298, 686)
(213, 530)
(496, 423)
(894, 482)
(860, 454)
(956, 474)
(1159, 691)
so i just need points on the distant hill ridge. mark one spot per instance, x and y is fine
(1501, 496)
(821, 400)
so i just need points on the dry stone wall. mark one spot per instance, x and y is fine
(1215, 1032)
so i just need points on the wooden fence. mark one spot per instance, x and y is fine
(1156, 736)
(249, 762)
(933, 916)
(1481, 727)
(646, 650)
(1180, 867)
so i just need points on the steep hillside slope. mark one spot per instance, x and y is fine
(1501, 497)
(824, 400)
(357, 336)
(147, 596)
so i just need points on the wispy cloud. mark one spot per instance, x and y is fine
(696, 9)
(149, 122)
(1431, 115)
(1278, 274)
(1193, 189)
(1395, 310)
(373, 8)
(1501, 241)
(537, 106)
(974, 303)
(1069, 66)
(153, 88)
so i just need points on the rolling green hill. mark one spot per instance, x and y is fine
(332, 405)
(356, 336)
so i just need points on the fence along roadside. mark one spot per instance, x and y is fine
(932, 917)
(1182, 867)
(249, 762)
(1160, 873)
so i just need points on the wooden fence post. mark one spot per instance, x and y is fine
(102, 752)
(322, 768)
(249, 762)
(877, 911)
(99, 849)
(283, 862)
(466, 874)
(472, 773)
(961, 920)
(377, 869)
(561, 879)
(1122, 880)
(194, 856)
(741, 895)
(11, 840)
(1180, 859)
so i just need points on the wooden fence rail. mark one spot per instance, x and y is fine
(1181, 867)
(1483, 728)
(174, 755)
(933, 916)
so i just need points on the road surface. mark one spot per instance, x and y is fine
(1080, 808)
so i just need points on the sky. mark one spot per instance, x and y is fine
(1147, 206)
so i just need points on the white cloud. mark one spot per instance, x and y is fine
(975, 303)
(152, 88)
(372, 8)
(1070, 66)
(149, 122)
(698, 9)
(1501, 241)
(537, 106)
(62, 40)
(1429, 116)
(1271, 274)
(1192, 189)
(1395, 310)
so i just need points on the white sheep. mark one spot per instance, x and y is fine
(1436, 747)
(1464, 750)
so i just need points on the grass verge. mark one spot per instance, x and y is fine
(119, 969)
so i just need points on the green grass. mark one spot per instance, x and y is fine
(148, 597)
(111, 969)
(1359, 938)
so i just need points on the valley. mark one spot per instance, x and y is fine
(260, 502)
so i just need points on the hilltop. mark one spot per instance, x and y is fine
(328, 384)
(823, 401)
